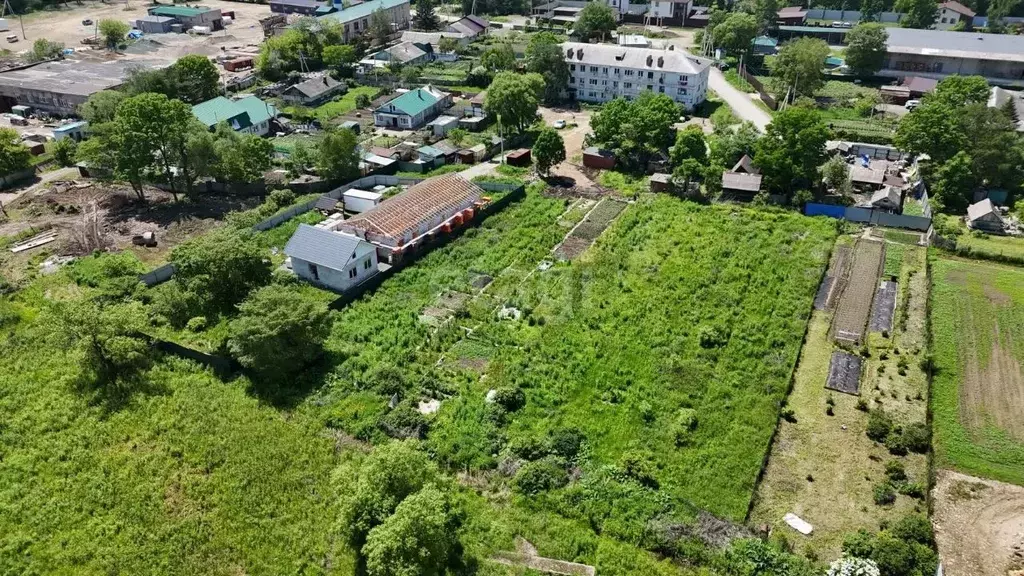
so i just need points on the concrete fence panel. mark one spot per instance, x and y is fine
(857, 214)
(901, 221)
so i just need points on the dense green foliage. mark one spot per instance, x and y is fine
(548, 150)
(222, 267)
(796, 69)
(513, 99)
(637, 129)
(14, 156)
(865, 48)
(905, 549)
(736, 33)
(544, 57)
(596, 20)
(791, 150)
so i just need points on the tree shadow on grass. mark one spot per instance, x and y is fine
(285, 390)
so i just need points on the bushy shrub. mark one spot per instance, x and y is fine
(510, 398)
(912, 489)
(404, 421)
(280, 198)
(197, 324)
(637, 465)
(566, 442)
(713, 336)
(914, 528)
(686, 422)
(895, 471)
(850, 566)
(916, 437)
(879, 425)
(115, 276)
(540, 475)
(895, 443)
(526, 447)
(174, 304)
(884, 494)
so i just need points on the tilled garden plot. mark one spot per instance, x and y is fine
(844, 373)
(583, 235)
(884, 306)
(855, 300)
(832, 284)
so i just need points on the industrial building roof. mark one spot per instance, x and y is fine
(70, 76)
(179, 10)
(676, 60)
(156, 19)
(325, 248)
(405, 212)
(414, 101)
(364, 10)
(298, 3)
(956, 44)
(819, 29)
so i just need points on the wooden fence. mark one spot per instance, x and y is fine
(759, 86)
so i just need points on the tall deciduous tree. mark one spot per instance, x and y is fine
(278, 331)
(389, 475)
(870, 9)
(113, 32)
(932, 128)
(953, 183)
(380, 27)
(109, 340)
(917, 13)
(101, 106)
(835, 173)
(425, 18)
(337, 157)
(548, 150)
(596, 20)
(197, 79)
(14, 156)
(544, 56)
(636, 130)
(796, 69)
(241, 158)
(728, 146)
(791, 150)
(689, 144)
(499, 58)
(736, 33)
(419, 539)
(223, 266)
(339, 56)
(514, 97)
(43, 49)
(958, 91)
(865, 50)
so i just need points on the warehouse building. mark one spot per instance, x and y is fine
(60, 86)
(603, 72)
(356, 19)
(304, 7)
(191, 16)
(939, 53)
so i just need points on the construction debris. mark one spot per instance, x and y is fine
(35, 241)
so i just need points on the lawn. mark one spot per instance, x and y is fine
(623, 183)
(823, 467)
(992, 246)
(978, 344)
(733, 77)
(345, 104)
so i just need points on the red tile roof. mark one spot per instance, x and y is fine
(433, 200)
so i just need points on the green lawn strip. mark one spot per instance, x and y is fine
(987, 244)
(902, 237)
(345, 104)
(968, 300)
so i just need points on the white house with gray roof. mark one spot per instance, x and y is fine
(334, 260)
(603, 72)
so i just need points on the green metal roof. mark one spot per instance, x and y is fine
(414, 101)
(765, 41)
(833, 61)
(364, 10)
(177, 11)
(238, 113)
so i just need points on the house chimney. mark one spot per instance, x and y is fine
(671, 47)
(661, 61)
(579, 53)
(650, 59)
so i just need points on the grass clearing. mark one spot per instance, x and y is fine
(345, 104)
(624, 184)
(978, 387)
(824, 473)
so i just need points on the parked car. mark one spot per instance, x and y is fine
(12, 38)
(911, 104)
(559, 124)
(87, 22)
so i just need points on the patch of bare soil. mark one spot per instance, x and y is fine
(979, 525)
(994, 393)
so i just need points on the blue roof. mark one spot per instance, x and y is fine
(430, 151)
(71, 126)
(363, 10)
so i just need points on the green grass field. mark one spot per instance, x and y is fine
(978, 333)
(345, 104)
(989, 245)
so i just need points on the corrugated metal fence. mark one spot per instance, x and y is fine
(869, 216)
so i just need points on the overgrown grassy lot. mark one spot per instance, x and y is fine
(978, 334)
(823, 467)
(678, 311)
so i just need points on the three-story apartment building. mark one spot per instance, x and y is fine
(603, 72)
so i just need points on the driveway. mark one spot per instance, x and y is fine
(573, 138)
(741, 103)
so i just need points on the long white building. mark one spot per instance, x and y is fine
(603, 72)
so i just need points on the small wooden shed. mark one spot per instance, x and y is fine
(594, 157)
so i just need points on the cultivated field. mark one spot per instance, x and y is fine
(823, 467)
(855, 301)
(978, 389)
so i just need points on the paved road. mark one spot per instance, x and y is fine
(741, 104)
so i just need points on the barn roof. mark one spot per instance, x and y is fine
(421, 203)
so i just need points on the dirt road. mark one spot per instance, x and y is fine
(979, 525)
(741, 104)
(573, 138)
(65, 25)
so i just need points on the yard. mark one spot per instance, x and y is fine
(978, 388)
(823, 467)
(345, 104)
